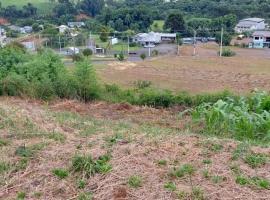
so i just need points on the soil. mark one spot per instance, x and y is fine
(138, 154)
(4, 21)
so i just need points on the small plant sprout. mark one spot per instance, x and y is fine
(207, 161)
(206, 173)
(181, 194)
(170, 185)
(37, 194)
(78, 146)
(81, 183)
(21, 195)
(60, 173)
(162, 162)
(135, 181)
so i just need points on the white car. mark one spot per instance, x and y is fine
(148, 45)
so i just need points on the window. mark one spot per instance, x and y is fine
(256, 38)
(261, 38)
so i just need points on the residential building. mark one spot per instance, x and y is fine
(14, 28)
(78, 24)
(261, 39)
(26, 29)
(62, 28)
(154, 38)
(250, 24)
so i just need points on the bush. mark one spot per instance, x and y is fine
(227, 53)
(76, 57)
(236, 44)
(121, 56)
(143, 56)
(87, 52)
(243, 45)
(154, 53)
(133, 44)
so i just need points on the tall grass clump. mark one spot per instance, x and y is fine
(243, 118)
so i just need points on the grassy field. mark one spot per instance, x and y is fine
(159, 27)
(43, 6)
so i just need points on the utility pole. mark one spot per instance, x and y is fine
(220, 51)
(59, 45)
(1, 37)
(194, 43)
(128, 43)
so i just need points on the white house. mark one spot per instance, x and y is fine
(250, 24)
(152, 38)
(78, 24)
(73, 50)
(62, 28)
(261, 39)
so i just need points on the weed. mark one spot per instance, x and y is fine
(207, 161)
(135, 181)
(242, 180)
(198, 193)
(90, 144)
(5, 166)
(216, 179)
(148, 150)
(263, 183)
(181, 171)
(175, 161)
(88, 166)
(21, 165)
(85, 196)
(24, 151)
(78, 146)
(181, 194)
(112, 140)
(255, 159)
(170, 185)
(204, 152)
(162, 162)
(3, 142)
(60, 173)
(102, 146)
(21, 195)
(206, 173)
(127, 150)
(37, 194)
(57, 137)
(234, 167)
(81, 183)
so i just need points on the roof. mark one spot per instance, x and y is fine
(244, 25)
(62, 26)
(168, 34)
(254, 19)
(261, 33)
(12, 27)
(76, 23)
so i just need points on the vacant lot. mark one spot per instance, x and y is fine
(195, 74)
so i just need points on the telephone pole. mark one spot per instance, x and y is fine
(220, 51)
(194, 43)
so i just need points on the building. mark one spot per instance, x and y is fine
(78, 24)
(73, 50)
(29, 45)
(62, 28)
(14, 28)
(261, 39)
(250, 24)
(153, 38)
(26, 29)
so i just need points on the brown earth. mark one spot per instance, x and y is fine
(4, 21)
(147, 137)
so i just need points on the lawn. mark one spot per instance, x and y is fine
(43, 6)
(121, 46)
(159, 27)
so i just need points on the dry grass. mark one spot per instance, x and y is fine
(145, 136)
(192, 74)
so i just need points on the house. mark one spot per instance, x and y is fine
(29, 45)
(261, 39)
(153, 38)
(250, 24)
(14, 28)
(26, 29)
(62, 28)
(78, 24)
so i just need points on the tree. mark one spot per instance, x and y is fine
(35, 27)
(226, 39)
(104, 34)
(143, 56)
(174, 21)
(91, 7)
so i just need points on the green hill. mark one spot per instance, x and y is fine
(43, 6)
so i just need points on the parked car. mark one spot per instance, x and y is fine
(148, 45)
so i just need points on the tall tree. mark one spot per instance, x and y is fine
(91, 7)
(175, 22)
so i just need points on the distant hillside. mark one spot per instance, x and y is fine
(43, 6)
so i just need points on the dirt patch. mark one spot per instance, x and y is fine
(4, 21)
(82, 16)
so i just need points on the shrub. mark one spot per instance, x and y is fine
(121, 56)
(243, 45)
(87, 52)
(135, 181)
(143, 56)
(154, 53)
(76, 57)
(133, 44)
(227, 53)
(60, 173)
(236, 44)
